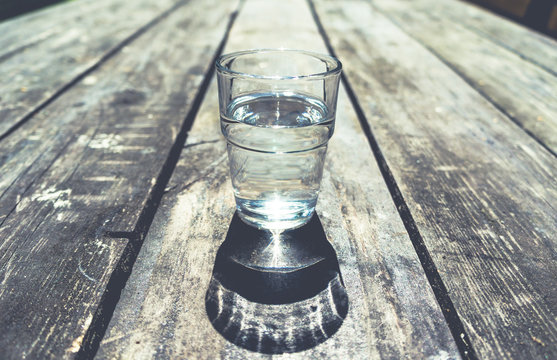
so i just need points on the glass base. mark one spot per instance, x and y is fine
(274, 215)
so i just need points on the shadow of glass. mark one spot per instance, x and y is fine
(276, 292)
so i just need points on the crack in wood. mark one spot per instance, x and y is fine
(89, 70)
(33, 181)
(118, 279)
(469, 81)
(205, 173)
(441, 294)
(22, 48)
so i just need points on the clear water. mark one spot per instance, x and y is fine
(276, 148)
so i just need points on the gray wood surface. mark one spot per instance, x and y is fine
(101, 91)
(49, 293)
(44, 63)
(24, 30)
(482, 193)
(524, 91)
(530, 45)
(85, 165)
(393, 313)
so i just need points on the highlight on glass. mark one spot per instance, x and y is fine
(277, 113)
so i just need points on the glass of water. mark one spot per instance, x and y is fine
(277, 113)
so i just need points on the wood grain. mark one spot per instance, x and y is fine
(482, 193)
(524, 91)
(89, 171)
(31, 28)
(49, 60)
(47, 306)
(393, 313)
(531, 45)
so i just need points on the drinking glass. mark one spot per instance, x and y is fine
(277, 113)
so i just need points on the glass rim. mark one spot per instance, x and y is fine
(323, 57)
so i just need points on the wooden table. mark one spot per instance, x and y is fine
(439, 194)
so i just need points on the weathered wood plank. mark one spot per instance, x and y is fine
(32, 28)
(28, 29)
(54, 326)
(531, 45)
(482, 193)
(393, 313)
(35, 146)
(48, 61)
(90, 171)
(527, 93)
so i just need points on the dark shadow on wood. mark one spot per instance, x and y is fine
(11, 8)
(456, 326)
(536, 16)
(276, 293)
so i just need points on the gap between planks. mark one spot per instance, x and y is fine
(503, 44)
(118, 279)
(477, 88)
(92, 68)
(469, 81)
(439, 289)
